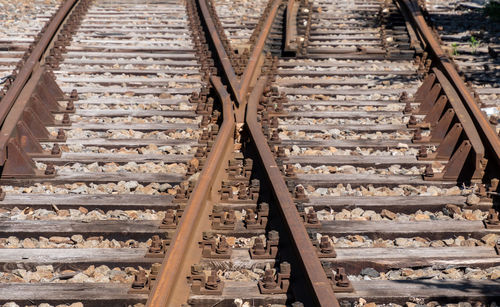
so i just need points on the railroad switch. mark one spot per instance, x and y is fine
(205, 285)
(213, 249)
(262, 216)
(339, 281)
(269, 251)
(271, 285)
(223, 220)
(325, 248)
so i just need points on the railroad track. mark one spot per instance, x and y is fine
(214, 153)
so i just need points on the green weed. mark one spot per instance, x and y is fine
(455, 49)
(474, 43)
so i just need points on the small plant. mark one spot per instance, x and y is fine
(455, 49)
(474, 43)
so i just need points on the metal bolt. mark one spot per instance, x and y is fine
(55, 149)
(325, 246)
(212, 281)
(140, 280)
(422, 152)
(268, 280)
(341, 278)
(258, 247)
(156, 245)
(273, 235)
(493, 217)
(50, 170)
(428, 171)
(169, 217)
(250, 217)
(417, 135)
(66, 119)
(412, 120)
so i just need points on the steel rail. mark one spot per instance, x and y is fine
(320, 286)
(490, 138)
(291, 26)
(168, 290)
(33, 60)
(216, 41)
(256, 57)
(171, 287)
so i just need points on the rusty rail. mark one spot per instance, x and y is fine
(316, 279)
(34, 59)
(216, 42)
(256, 58)
(171, 287)
(31, 101)
(291, 26)
(444, 64)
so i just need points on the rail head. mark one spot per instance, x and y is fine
(216, 41)
(31, 100)
(179, 256)
(251, 69)
(292, 9)
(34, 58)
(321, 289)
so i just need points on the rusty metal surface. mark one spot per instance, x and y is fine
(291, 26)
(321, 289)
(171, 288)
(223, 58)
(251, 69)
(444, 63)
(36, 55)
(31, 101)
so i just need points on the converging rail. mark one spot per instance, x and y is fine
(163, 293)
(450, 109)
(31, 100)
(305, 153)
